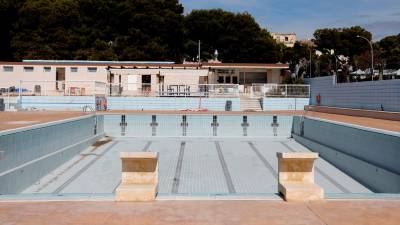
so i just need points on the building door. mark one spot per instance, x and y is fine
(60, 78)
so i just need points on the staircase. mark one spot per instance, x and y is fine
(250, 105)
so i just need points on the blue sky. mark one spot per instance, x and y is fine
(381, 17)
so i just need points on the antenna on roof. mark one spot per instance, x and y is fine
(199, 52)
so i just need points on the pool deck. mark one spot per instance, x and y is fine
(337, 212)
(11, 120)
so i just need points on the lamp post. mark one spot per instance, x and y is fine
(372, 55)
(199, 52)
(310, 60)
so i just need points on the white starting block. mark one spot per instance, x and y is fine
(139, 176)
(296, 177)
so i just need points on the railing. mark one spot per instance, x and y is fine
(93, 88)
(60, 88)
(173, 90)
(280, 90)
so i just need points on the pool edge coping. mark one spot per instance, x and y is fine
(192, 197)
(46, 124)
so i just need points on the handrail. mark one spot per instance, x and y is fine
(88, 107)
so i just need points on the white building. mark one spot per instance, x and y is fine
(288, 39)
(47, 77)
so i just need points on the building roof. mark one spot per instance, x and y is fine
(247, 65)
(146, 65)
(283, 33)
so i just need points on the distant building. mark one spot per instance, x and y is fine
(288, 39)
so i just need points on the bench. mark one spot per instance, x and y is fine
(139, 176)
(296, 177)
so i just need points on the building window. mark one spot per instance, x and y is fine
(75, 69)
(92, 69)
(47, 69)
(286, 38)
(8, 68)
(235, 80)
(220, 79)
(28, 68)
(227, 79)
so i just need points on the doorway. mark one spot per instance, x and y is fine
(146, 83)
(60, 78)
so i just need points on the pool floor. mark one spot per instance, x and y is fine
(192, 166)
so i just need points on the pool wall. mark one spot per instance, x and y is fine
(168, 103)
(205, 126)
(31, 153)
(57, 102)
(269, 104)
(128, 103)
(368, 155)
(376, 95)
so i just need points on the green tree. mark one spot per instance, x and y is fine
(8, 17)
(237, 37)
(97, 29)
(343, 41)
(389, 51)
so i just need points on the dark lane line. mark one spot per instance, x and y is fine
(178, 170)
(147, 146)
(228, 178)
(263, 160)
(76, 175)
(318, 170)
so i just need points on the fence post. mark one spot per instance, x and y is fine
(8, 99)
(19, 92)
(286, 90)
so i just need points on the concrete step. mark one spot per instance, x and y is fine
(250, 105)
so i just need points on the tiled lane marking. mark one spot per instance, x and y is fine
(147, 146)
(262, 158)
(178, 171)
(228, 178)
(76, 175)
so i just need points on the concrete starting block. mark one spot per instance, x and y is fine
(296, 177)
(139, 176)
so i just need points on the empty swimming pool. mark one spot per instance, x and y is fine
(199, 155)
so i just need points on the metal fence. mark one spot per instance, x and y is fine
(280, 90)
(173, 90)
(59, 88)
(92, 88)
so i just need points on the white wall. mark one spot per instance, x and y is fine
(171, 76)
(82, 78)
(8, 79)
(274, 76)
